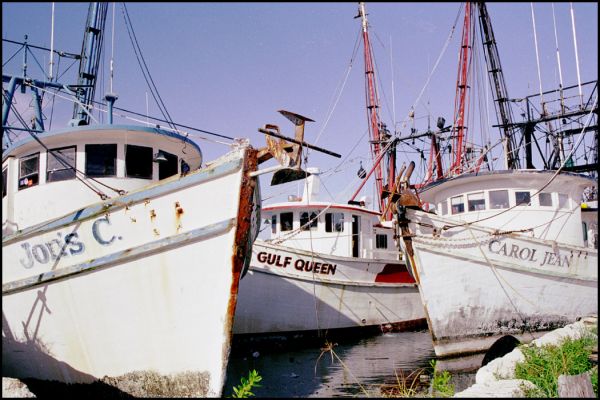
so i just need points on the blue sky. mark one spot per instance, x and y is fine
(228, 67)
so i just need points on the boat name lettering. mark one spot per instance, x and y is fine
(527, 254)
(300, 264)
(70, 244)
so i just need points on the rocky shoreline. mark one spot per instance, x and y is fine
(497, 378)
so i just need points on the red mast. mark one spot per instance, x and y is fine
(377, 134)
(435, 161)
(459, 130)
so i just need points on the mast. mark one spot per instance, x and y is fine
(500, 92)
(379, 136)
(89, 62)
(460, 100)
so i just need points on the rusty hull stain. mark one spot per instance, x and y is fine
(242, 246)
(178, 214)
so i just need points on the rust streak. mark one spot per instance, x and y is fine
(243, 232)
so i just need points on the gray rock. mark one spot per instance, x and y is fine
(502, 388)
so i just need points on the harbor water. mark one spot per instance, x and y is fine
(335, 365)
(341, 366)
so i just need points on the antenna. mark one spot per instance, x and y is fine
(51, 45)
(112, 51)
(576, 56)
(560, 85)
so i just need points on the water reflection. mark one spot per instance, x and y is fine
(358, 366)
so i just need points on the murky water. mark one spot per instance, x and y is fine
(357, 366)
(343, 365)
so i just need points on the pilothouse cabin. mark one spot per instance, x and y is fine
(344, 230)
(75, 166)
(508, 201)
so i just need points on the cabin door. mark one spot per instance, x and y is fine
(355, 236)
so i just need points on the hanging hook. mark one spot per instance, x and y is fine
(361, 172)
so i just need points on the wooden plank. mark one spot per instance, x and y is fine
(575, 386)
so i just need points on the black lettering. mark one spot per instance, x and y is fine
(522, 256)
(513, 251)
(261, 257)
(490, 246)
(308, 267)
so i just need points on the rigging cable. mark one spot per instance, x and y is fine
(145, 71)
(343, 85)
(435, 65)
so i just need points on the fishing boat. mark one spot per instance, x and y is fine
(330, 265)
(507, 252)
(115, 239)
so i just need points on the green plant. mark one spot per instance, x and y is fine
(244, 389)
(594, 378)
(407, 386)
(440, 384)
(543, 365)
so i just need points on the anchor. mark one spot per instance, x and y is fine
(287, 151)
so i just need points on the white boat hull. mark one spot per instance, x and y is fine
(289, 290)
(478, 285)
(145, 284)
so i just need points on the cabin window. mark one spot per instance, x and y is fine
(274, 223)
(100, 159)
(563, 201)
(4, 177)
(308, 222)
(457, 205)
(444, 207)
(61, 164)
(476, 201)
(381, 241)
(522, 198)
(287, 221)
(546, 199)
(167, 168)
(334, 222)
(498, 199)
(138, 161)
(29, 168)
